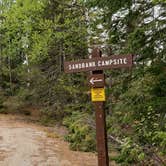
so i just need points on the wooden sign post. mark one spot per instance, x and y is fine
(97, 83)
(98, 99)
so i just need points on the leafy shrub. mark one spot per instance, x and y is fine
(13, 104)
(2, 99)
(129, 153)
(160, 139)
(81, 136)
(1, 103)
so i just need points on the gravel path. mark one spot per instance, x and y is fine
(27, 144)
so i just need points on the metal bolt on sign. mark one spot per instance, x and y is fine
(96, 81)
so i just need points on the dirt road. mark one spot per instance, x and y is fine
(27, 144)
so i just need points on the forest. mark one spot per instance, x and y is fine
(37, 36)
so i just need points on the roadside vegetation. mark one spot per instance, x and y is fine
(36, 36)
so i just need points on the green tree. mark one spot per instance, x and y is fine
(138, 96)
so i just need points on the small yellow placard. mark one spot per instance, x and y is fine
(98, 94)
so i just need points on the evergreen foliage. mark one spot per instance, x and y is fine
(138, 97)
(36, 36)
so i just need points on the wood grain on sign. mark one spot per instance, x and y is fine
(115, 61)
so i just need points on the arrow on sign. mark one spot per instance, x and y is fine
(93, 80)
(96, 80)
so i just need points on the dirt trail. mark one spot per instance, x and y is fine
(27, 144)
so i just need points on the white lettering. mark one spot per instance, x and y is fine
(111, 61)
(70, 67)
(114, 62)
(73, 67)
(94, 64)
(79, 65)
(83, 65)
(103, 63)
(125, 60)
(86, 65)
(90, 64)
(107, 62)
(76, 66)
(121, 61)
(99, 63)
(117, 61)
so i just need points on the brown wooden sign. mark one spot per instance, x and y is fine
(114, 61)
(96, 80)
(97, 83)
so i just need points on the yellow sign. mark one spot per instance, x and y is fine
(98, 94)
